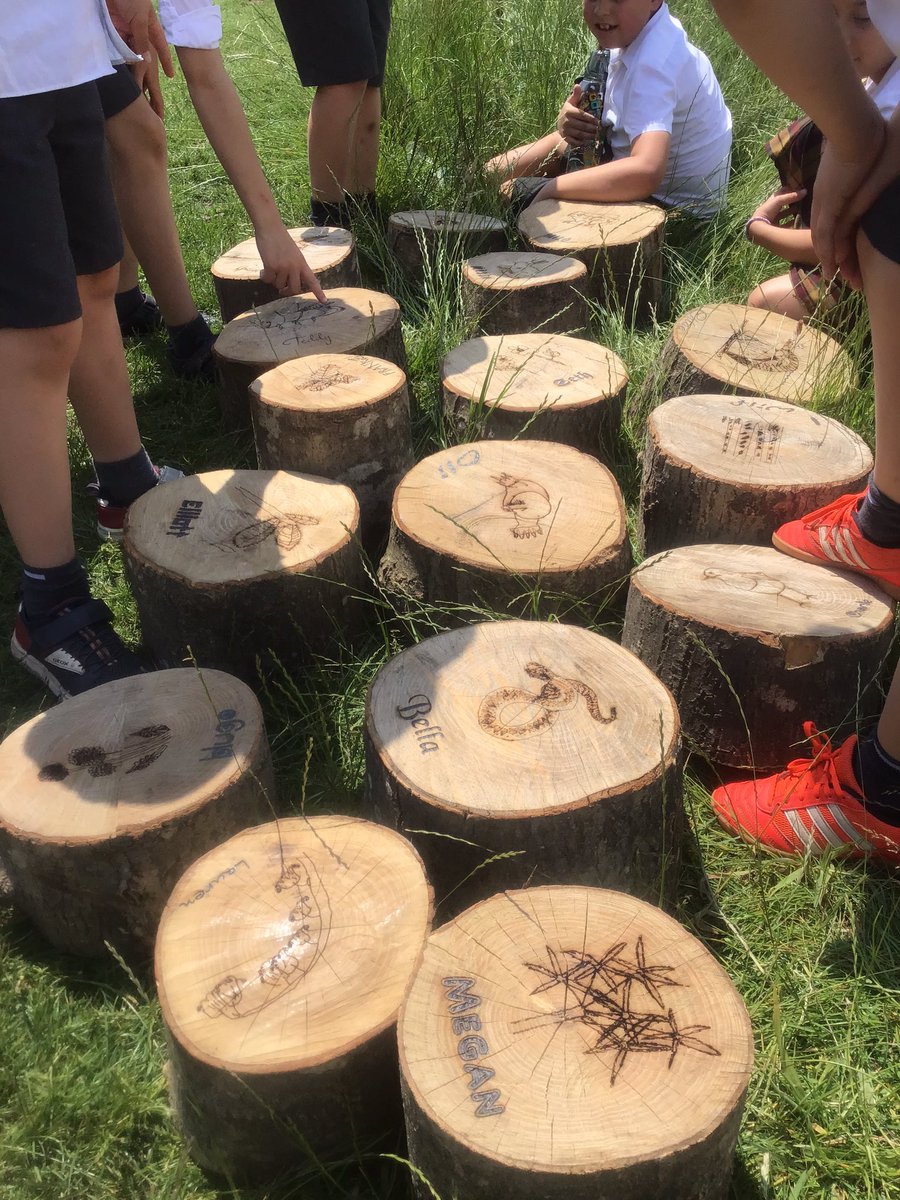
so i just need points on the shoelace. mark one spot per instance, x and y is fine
(837, 512)
(813, 772)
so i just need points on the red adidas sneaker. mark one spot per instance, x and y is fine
(830, 536)
(813, 805)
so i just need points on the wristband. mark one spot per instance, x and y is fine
(765, 221)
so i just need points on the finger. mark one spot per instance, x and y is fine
(575, 98)
(311, 284)
(161, 46)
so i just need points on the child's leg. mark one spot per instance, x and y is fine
(531, 159)
(332, 119)
(366, 140)
(778, 295)
(882, 288)
(128, 270)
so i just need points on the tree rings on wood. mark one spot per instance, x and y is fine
(491, 524)
(329, 251)
(106, 799)
(535, 385)
(570, 1043)
(542, 746)
(351, 321)
(421, 237)
(229, 566)
(342, 416)
(281, 961)
(733, 468)
(620, 244)
(737, 349)
(516, 292)
(752, 643)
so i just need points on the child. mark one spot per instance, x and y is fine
(340, 48)
(666, 123)
(846, 797)
(802, 292)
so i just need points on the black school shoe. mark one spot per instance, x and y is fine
(75, 650)
(137, 317)
(190, 349)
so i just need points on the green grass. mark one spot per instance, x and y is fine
(814, 947)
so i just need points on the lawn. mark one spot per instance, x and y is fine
(813, 947)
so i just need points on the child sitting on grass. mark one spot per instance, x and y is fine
(781, 224)
(665, 123)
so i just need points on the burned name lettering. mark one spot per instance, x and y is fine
(228, 726)
(182, 523)
(472, 1047)
(416, 711)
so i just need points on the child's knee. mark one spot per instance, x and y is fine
(757, 298)
(341, 97)
(138, 131)
(41, 353)
(99, 288)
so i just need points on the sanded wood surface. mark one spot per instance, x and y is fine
(351, 321)
(538, 385)
(105, 800)
(737, 349)
(535, 738)
(234, 564)
(620, 244)
(572, 1043)
(345, 417)
(720, 468)
(481, 523)
(753, 643)
(517, 292)
(423, 235)
(281, 962)
(329, 251)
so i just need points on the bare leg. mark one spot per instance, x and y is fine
(35, 488)
(882, 287)
(99, 387)
(128, 270)
(530, 159)
(332, 119)
(777, 295)
(138, 161)
(366, 143)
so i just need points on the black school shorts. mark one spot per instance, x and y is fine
(58, 217)
(881, 224)
(337, 41)
(117, 91)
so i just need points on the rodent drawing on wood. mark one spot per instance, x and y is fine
(524, 502)
(513, 713)
(238, 529)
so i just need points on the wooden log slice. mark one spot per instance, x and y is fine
(753, 643)
(542, 743)
(620, 244)
(539, 385)
(734, 468)
(525, 526)
(570, 1043)
(419, 238)
(351, 321)
(515, 292)
(342, 416)
(233, 566)
(105, 800)
(748, 352)
(281, 962)
(329, 251)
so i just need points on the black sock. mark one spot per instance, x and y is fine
(878, 518)
(128, 302)
(47, 589)
(122, 482)
(327, 212)
(879, 775)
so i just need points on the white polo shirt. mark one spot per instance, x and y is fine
(887, 93)
(191, 24)
(661, 83)
(886, 15)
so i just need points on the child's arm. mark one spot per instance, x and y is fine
(633, 178)
(222, 116)
(763, 229)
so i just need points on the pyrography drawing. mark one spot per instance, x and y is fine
(523, 502)
(239, 529)
(514, 713)
(140, 749)
(760, 584)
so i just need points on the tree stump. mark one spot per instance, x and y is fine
(420, 239)
(734, 468)
(512, 292)
(233, 566)
(341, 416)
(520, 526)
(351, 321)
(105, 800)
(281, 962)
(748, 352)
(570, 1043)
(539, 385)
(620, 244)
(543, 747)
(329, 251)
(752, 643)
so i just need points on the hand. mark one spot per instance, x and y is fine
(777, 208)
(146, 74)
(283, 264)
(138, 26)
(574, 126)
(845, 190)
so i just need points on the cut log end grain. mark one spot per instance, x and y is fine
(105, 800)
(753, 643)
(723, 468)
(424, 234)
(539, 742)
(281, 962)
(569, 1043)
(541, 385)
(329, 251)
(516, 292)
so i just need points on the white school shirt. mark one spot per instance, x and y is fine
(191, 24)
(886, 16)
(887, 93)
(661, 83)
(47, 45)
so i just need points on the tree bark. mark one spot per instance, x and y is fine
(512, 292)
(423, 238)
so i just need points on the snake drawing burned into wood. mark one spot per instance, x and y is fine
(513, 713)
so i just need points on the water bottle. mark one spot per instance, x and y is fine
(593, 94)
